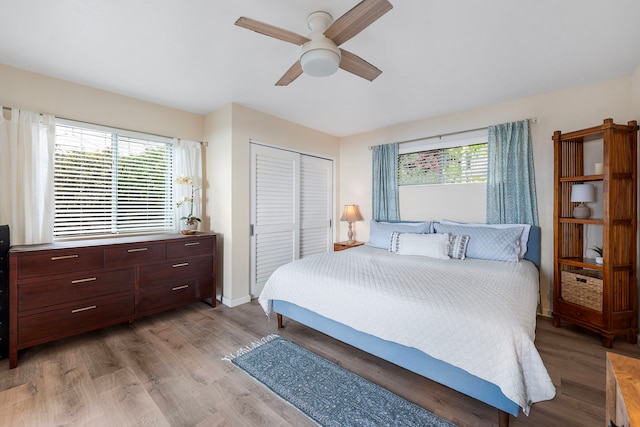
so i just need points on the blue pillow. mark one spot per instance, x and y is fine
(494, 244)
(380, 232)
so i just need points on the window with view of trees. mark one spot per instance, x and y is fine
(452, 165)
(110, 182)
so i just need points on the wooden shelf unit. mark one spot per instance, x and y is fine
(619, 314)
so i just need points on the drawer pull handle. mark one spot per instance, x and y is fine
(137, 250)
(88, 279)
(192, 244)
(177, 288)
(78, 310)
(57, 258)
(182, 264)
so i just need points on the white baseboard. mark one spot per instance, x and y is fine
(236, 302)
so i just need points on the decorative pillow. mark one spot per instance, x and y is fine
(380, 232)
(495, 244)
(429, 245)
(458, 246)
(524, 237)
(395, 241)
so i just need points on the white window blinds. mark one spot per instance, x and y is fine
(108, 181)
(450, 165)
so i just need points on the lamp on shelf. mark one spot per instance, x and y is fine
(351, 213)
(582, 193)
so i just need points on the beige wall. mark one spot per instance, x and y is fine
(43, 94)
(228, 132)
(635, 94)
(564, 110)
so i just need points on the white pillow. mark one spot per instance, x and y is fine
(524, 237)
(380, 231)
(430, 245)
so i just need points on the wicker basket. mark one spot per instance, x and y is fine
(583, 287)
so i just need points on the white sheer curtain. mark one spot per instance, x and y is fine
(26, 175)
(187, 161)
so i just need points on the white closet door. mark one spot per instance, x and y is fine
(275, 212)
(316, 204)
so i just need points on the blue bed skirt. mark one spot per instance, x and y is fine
(406, 357)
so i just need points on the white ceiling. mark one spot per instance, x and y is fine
(437, 56)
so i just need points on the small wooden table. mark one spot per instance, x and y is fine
(623, 390)
(341, 246)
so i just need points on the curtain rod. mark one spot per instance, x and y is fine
(532, 120)
(205, 143)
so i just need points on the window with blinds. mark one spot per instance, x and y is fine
(449, 165)
(109, 182)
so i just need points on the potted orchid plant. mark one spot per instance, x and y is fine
(190, 221)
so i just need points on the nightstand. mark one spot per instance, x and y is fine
(341, 246)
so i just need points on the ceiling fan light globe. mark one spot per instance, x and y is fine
(320, 62)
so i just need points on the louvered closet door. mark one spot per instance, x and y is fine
(291, 209)
(316, 186)
(274, 212)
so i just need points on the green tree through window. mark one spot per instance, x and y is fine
(108, 183)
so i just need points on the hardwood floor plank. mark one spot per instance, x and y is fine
(126, 402)
(167, 370)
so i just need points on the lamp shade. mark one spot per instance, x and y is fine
(582, 193)
(351, 213)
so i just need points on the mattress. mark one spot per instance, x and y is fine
(474, 314)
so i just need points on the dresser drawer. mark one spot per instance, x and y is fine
(175, 294)
(74, 288)
(70, 319)
(171, 271)
(189, 247)
(133, 254)
(59, 261)
(579, 313)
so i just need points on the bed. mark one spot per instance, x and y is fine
(471, 328)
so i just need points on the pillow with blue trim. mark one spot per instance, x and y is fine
(494, 244)
(380, 232)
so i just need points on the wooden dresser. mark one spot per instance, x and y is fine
(623, 390)
(62, 289)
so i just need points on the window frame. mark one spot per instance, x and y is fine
(442, 142)
(120, 136)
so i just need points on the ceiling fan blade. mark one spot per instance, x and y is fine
(357, 19)
(271, 31)
(358, 66)
(292, 73)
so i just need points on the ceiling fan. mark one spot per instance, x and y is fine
(320, 55)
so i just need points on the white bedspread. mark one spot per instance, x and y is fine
(477, 315)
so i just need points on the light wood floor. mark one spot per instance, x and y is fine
(167, 370)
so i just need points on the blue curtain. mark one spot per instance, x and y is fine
(511, 187)
(385, 182)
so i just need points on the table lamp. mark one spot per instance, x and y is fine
(582, 193)
(351, 213)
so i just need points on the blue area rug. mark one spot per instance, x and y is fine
(325, 392)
